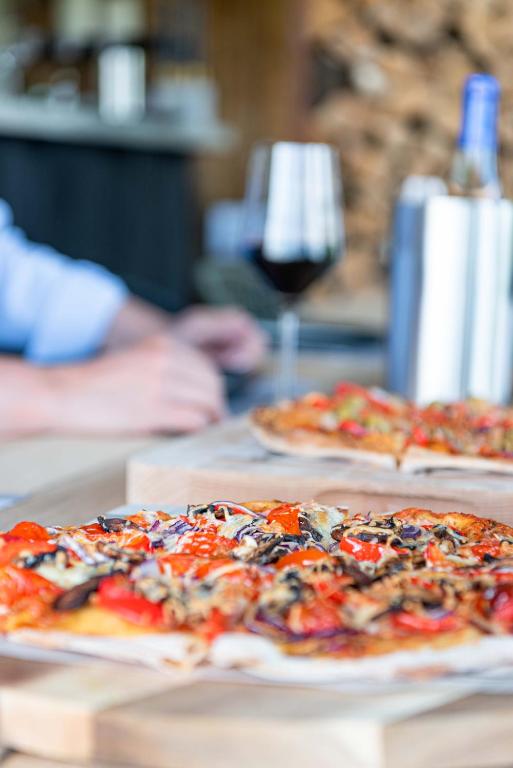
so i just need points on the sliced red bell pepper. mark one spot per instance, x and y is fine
(287, 515)
(352, 427)
(413, 622)
(206, 543)
(301, 558)
(116, 594)
(215, 624)
(501, 604)
(93, 530)
(11, 548)
(17, 584)
(176, 563)
(206, 568)
(332, 590)
(317, 617)
(139, 541)
(30, 531)
(419, 436)
(317, 400)
(486, 421)
(434, 555)
(344, 388)
(363, 551)
(492, 547)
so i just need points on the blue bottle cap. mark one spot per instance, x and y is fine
(481, 97)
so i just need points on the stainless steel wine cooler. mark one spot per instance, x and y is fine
(451, 329)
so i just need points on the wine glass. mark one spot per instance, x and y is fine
(293, 230)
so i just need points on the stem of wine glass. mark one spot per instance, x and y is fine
(288, 349)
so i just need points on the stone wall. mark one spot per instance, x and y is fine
(386, 85)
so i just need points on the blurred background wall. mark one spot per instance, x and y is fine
(386, 83)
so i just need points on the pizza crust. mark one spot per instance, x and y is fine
(267, 427)
(317, 445)
(178, 649)
(261, 658)
(92, 620)
(418, 459)
(486, 654)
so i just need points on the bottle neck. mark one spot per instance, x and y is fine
(475, 172)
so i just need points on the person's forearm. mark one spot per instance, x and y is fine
(134, 322)
(29, 395)
(26, 398)
(157, 386)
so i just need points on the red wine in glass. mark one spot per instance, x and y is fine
(296, 274)
(294, 230)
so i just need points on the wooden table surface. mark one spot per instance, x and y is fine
(32, 464)
(64, 479)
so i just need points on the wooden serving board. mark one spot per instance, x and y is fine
(101, 714)
(226, 462)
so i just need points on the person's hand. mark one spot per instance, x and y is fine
(136, 320)
(159, 385)
(229, 336)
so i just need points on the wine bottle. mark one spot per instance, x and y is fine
(474, 170)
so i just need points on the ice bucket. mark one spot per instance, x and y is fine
(451, 319)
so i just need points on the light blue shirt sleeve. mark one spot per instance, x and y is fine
(52, 308)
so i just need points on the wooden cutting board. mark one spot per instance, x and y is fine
(226, 462)
(99, 714)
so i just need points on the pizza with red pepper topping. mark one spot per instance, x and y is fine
(374, 426)
(313, 581)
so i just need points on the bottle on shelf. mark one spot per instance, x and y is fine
(475, 168)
